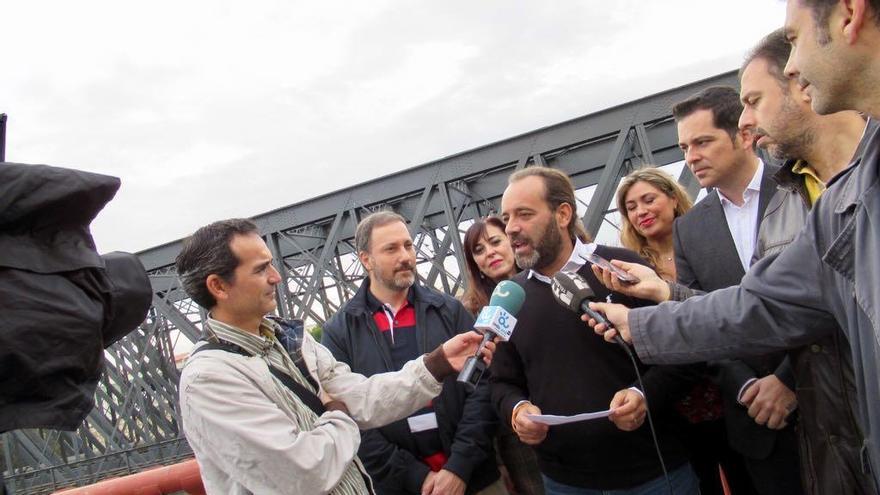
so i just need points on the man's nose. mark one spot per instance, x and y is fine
(791, 70)
(691, 156)
(747, 119)
(512, 227)
(274, 275)
(406, 254)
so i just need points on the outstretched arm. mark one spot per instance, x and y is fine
(402, 392)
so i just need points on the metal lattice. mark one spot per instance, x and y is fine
(136, 420)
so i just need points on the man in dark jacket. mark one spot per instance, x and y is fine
(721, 156)
(447, 446)
(830, 272)
(815, 149)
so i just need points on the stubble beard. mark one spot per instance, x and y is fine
(839, 88)
(796, 142)
(544, 251)
(401, 278)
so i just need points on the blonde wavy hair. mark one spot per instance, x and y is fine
(629, 236)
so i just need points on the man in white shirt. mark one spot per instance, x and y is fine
(265, 408)
(713, 244)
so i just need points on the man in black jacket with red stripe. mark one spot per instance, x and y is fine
(552, 366)
(447, 446)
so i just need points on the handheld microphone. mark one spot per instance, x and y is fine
(572, 291)
(496, 319)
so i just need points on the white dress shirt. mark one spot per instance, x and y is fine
(577, 260)
(742, 221)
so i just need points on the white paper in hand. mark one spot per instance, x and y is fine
(552, 419)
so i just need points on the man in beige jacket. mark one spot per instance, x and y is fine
(265, 408)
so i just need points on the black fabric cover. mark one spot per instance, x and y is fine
(61, 303)
(128, 295)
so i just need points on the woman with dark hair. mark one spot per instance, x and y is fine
(489, 259)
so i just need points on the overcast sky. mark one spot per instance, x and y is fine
(213, 109)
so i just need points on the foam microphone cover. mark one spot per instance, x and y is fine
(509, 296)
(570, 290)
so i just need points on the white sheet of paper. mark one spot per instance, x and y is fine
(552, 419)
(422, 422)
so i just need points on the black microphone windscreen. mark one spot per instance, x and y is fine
(570, 290)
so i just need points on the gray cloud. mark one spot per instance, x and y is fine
(209, 110)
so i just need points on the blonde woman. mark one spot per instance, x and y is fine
(649, 201)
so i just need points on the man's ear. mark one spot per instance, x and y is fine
(564, 215)
(851, 19)
(217, 287)
(364, 258)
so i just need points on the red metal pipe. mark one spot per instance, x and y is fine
(184, 476)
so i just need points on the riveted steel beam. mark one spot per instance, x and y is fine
(135, 423)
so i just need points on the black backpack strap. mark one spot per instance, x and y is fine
(220, 346)
(305, 395)
(309, 398)
(290, 335)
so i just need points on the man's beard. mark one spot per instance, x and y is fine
(794, 147)
(797, 140)
(402, 278)
(544, 251)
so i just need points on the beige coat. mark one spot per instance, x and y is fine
(242, 432)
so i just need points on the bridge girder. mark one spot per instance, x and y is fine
(136, 420)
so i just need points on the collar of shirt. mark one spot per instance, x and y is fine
(257, 345)
(267, 346)
(802, 167)
(752, 190)
(376, 305)
(814, 185)
(577, 260)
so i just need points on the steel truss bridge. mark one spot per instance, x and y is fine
(136, 423)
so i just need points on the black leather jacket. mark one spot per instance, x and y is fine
(828, 432)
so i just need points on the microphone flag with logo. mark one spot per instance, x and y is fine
(571, 290)
(499, 317)
(496, 319)
(574, 292)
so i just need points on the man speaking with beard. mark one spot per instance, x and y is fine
(446, 447)
(551, 365)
